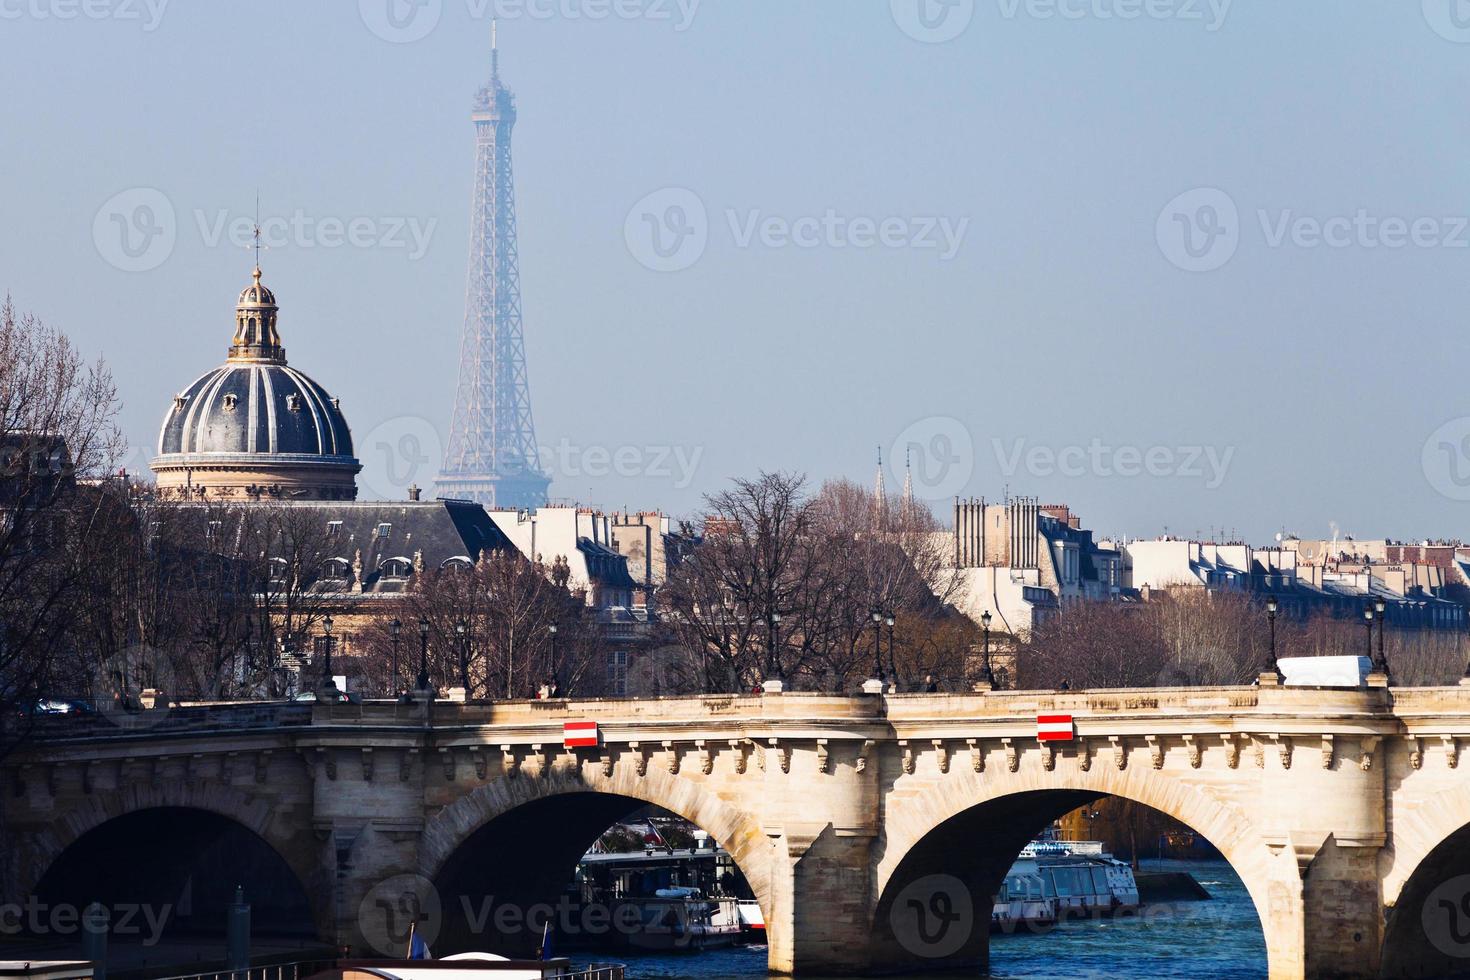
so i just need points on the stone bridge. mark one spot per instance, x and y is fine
(1344, 811)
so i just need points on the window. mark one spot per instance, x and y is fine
(337, 568)
(334, 528)
(384, 530)
(459, 563)
(617, 672)
(396, 568)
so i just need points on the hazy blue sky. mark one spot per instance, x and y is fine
(974, 243)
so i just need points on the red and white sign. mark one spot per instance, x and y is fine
(1054, 728)
(580, 734)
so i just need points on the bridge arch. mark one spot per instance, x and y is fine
(1426, 889)
(207, 809)
(551, 819)
(971, 826)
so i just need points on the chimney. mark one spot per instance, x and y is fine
(414, 491)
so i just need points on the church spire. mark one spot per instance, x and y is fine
(880, 494)
(908, 483)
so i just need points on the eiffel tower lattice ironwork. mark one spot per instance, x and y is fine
(492, 457)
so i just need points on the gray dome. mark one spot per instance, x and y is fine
(258, 408)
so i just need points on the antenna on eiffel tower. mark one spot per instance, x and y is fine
(494, 49)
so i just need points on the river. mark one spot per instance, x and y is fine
(1219, 938)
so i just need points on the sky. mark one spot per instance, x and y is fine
(1184, 265)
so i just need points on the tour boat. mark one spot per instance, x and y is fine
(1053, 880)
(470, 966)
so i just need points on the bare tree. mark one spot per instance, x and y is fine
(57, 431)
(507, 607)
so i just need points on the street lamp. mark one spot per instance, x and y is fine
(395, 628)
(877, 645)
(892, 663)
(1368, 627)
(463, 630)
(555, 680)
(1381, 665)
(423, 684)
(986, 677)
(774, 658)
(327, 661)
(1271, 607)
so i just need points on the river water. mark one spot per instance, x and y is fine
(1219, 938)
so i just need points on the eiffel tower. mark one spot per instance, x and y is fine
(491, 457)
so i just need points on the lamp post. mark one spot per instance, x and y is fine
(987, 679)
(1368, 628)
(423, 684)
(463, 630)
(395, 628)
(327, 681)
(776, 646)
(555, 664)
(1271, 607)
(892, 662)
(877, 645)
(1381, 607)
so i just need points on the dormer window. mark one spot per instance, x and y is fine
(337, 404)
(180, 401)
(334, 528)
(293, 402)
(384, 530)
(230, 401)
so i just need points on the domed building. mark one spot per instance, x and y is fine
(256, 428)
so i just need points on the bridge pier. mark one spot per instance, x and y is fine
(821, 899)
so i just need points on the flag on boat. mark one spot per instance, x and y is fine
(1054, 728)
(580, 734)
(546, 941)
(417, 948)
